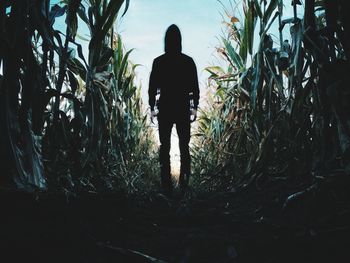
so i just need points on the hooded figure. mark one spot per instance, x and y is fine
(173, 40)
(174, 78)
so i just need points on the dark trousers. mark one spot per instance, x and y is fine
(183, 128)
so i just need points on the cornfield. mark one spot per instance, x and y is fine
(77, 123)
(270, 150)
(67, 121)
(279, 109)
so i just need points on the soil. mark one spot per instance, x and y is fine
(261, 222)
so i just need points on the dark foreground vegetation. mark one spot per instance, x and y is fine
(271, 153)
(246, 225)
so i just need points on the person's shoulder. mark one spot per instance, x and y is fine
(187, 58)
(159, 58)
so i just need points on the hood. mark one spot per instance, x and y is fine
(172, 41)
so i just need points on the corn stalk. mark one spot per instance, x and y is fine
(63, 115)
(282, 111)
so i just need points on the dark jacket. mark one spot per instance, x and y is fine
(174, 75)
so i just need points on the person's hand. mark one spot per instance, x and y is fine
(153, 115)
(193, 116)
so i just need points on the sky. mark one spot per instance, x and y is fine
(144, 25)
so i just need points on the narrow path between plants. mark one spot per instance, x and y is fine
(246, 225)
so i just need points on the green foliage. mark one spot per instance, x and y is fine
(277, 113)
(68, 122)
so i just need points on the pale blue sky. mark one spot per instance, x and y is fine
(144, 25)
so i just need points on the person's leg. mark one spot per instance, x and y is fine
(183, 127)
(165, 127)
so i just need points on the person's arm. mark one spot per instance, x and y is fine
(194, 89)
(152, 89)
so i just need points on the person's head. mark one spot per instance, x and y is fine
(173, 40)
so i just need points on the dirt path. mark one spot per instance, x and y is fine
(243, 226)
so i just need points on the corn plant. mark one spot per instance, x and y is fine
(275, 108)
(132, 153)
(75, 139)
(67, 121)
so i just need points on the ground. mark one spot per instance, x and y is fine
(254, 223)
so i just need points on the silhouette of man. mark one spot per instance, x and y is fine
(174, 78)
